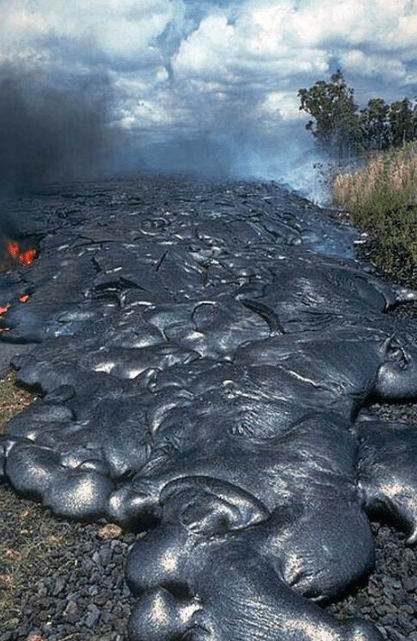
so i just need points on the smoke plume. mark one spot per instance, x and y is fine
(50, 128)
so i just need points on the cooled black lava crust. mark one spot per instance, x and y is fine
(179, 328)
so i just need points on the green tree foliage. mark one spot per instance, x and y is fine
(375, 125)
(402, 122)
(332, 105)
(341, 129)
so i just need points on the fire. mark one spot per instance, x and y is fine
(25, 257)
(3, 310)
(13, 254)
(12, 248)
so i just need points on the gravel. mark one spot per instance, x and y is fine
(72, 586)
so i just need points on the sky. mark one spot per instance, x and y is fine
(209, 85)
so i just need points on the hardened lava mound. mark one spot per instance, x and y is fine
(207, 354)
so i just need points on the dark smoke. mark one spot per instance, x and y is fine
(50, 129)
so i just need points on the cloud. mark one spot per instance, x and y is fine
(368, 65)
(213, 74)
(121, 30)
(256, 47)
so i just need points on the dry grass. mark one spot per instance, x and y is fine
(29, 541)
(27, 537)
(13, 399)
(394, 172)
(381, 197)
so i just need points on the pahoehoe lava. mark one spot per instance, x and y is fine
(207, 354)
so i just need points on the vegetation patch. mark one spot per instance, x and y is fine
(28, 537)
(343, 130)
(380, 197)
(13, 398)
(379, 193)
(25, 539)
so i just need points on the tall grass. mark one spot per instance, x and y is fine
(381, 197)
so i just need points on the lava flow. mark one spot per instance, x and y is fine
(13, 255)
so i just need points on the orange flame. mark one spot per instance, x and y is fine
(12, 248)
(27, 257)
(24, 258)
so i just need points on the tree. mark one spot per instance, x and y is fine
(341, 130)
(332, 105)
(402, 122)
(375, 125)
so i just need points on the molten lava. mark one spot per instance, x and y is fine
(11, 255)
(25, 257)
